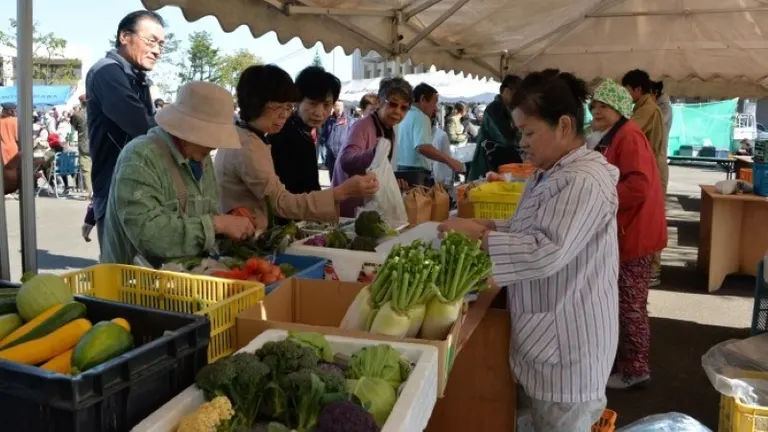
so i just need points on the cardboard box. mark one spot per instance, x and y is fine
(319, 306)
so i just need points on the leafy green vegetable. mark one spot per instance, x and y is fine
(304, 392)
(366, 244)
(282, 358)
(337, 240)
(377, 396)
(370, 224)
(313, 340)
(242, 378)
(276, 239)
(379, 361)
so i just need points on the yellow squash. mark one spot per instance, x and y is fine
(122, 322)
(47, 347)
(62, 363)
(21, 331)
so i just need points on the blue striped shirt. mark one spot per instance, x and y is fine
(559, 258)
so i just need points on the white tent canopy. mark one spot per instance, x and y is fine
(706, 48)
(451, 87)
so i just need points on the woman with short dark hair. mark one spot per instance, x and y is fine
(246, 176)
(359, 147)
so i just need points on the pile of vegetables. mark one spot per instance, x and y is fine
(370, 229)
(419, 291)
(298, 384)
(253, 269)
(41, 325)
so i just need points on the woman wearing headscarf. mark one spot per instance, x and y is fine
(359, 147)
(642, 226)
(246, 176)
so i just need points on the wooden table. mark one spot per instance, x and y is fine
(728, 164)
(732, 234)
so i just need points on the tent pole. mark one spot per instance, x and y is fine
(24, 45)
(5, 260)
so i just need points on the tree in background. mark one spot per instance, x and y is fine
(49, 65)
(231, 66)
(201, 60)
(317, 60)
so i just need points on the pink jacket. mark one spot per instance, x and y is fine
(355, 156)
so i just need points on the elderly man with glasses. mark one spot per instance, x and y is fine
(119, 105)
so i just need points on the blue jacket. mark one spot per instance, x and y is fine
(119, 109)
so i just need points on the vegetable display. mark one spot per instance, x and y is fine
(419, 291)
(254, 269)
(60, 338)
(298, 384)
(369, 230)
(370, 224)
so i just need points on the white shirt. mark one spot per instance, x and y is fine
(441, 172)
(559, 258)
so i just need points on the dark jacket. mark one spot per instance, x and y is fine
(497, 128)
(295, 157)
(119, 109)
(79, 122)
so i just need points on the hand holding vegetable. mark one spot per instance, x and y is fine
(468, 227)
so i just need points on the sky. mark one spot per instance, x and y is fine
(88, 25)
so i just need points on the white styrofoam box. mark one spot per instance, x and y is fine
(346, 263)
(411, 412)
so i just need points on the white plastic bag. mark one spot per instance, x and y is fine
(669, 422)
(739, 368)
(388, 201)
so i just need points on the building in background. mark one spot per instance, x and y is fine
(72, 65)
(372, 65)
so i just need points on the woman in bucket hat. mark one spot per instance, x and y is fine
(163, 198)
(641, 223)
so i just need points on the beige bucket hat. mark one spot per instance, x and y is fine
(202, 115)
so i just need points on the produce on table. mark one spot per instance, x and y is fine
(370, 224)
(47, 347)
(366, 244)
(253, 269)
(62, 363)
(105, 341)
(212, 416)
(8, 323)
(277, 239)
(345, 416)
(284, 387)
(420, 291)
(338, 240)
(41, 292)
(465, 267)
(45, 323)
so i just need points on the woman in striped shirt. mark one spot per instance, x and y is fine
(558, 257)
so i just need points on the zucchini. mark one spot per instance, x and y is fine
(105, 341)
(7, 305)
(9, 323)
(35, 329)
(48, 347)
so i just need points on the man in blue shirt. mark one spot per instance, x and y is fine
(415, 152)
(119, 104)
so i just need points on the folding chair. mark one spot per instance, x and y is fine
(64, 164)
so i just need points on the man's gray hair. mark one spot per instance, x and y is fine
(397, 86)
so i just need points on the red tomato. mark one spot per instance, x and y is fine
(252, 265)
(263, 266)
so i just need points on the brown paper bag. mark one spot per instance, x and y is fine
(441, 203)
(418, 205)
(466, 209)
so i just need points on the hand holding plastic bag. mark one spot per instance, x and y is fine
(388, 201)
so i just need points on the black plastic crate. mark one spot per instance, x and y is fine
(115, 396)
(760, 312)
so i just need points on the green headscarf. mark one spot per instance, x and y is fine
(615, 96)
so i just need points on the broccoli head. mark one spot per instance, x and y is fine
(345, 416)
(370, 224)
(284, 357)
(242, 378)
(304, 393)
(366, 244)
(332, 377)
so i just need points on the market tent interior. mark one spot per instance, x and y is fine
(41, 95)
(701, 48)
(450, 86)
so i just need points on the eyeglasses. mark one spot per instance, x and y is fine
(395, 105)
(151, 42)
(281, 108)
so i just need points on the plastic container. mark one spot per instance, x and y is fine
(738, 417)
(760, 178)
(170, 349)
(607, 422)
(516, 171)
(496, 200)
(760, 310)
(218, 299)
(308, 267)
(411, 412)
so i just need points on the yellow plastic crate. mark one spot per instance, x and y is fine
(738, 417)
(218, 299)
(497, 200)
